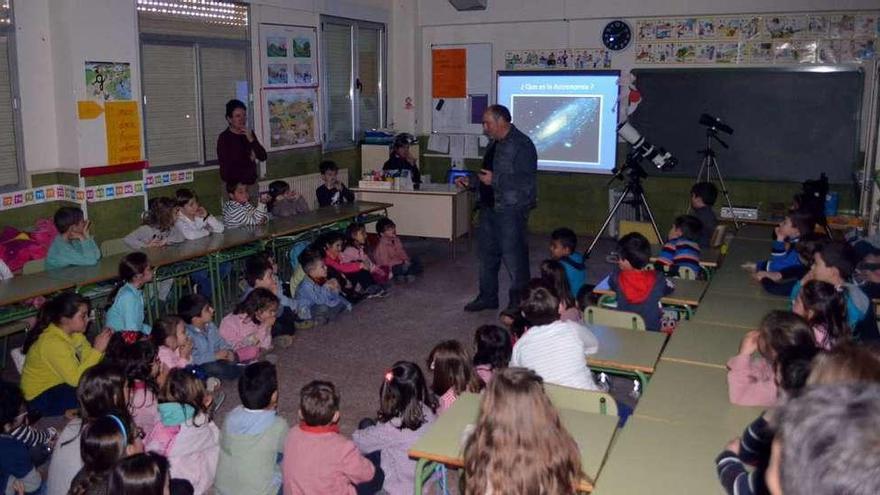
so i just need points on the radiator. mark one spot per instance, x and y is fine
(305, 185)
(626, 211)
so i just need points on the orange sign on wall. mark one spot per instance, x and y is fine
(123, 132)
(449, 73)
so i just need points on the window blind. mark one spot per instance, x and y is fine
(223, 70)
(338, 62)
(369, 71)
(200, 18)
(9, 172)
(171, 112)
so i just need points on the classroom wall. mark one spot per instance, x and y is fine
(581, 200)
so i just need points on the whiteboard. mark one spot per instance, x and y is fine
(454, 116)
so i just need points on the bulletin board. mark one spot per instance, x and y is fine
(461, 87)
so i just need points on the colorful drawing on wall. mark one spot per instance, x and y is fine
(288, 57)
(291, 117)
(578, 58)
(278, 74)
(276, 46)
(108, 81)
(302, 47)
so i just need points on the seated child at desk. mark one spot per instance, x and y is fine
(638, 290)
(332, 192)
(682, 250)
(703, 196)
(555, 349)
(238, 210)
(318, 298)
(563, 245)
(782, 282)
(317, 457)
(542, 457)
(390, 252)
(193, 220)
(127, 310)
(834, 262)
(74, 244)
(159, 228)
(787, 234)
(285, 202)
(553, 275)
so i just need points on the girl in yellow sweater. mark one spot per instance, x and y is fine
(57, 353)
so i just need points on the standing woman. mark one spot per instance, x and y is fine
(238, 150)
(401, 160)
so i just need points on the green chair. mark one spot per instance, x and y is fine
(596, 315)
(114, 246)
(688, 273)
(34, 266)
(581, 400)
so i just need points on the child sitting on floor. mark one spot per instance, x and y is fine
(137, 357)
(127, 311)
(317, 298)
(159, 228)
(555, 349)
(210, 351)
(238, 210)
(638, 290)
(357, 273)
(824, 308)
(493, 346)
(332, 192)
(186, 434)
(406, 410)
(452, 373)
(284, 201)
(787, 235)
(682, 250)
(170, 338)
(703, 196)
(249, 328)
(105, 441)
(317, 458)
(563, 245)
(74, 244)
(390, 252)
(253, 436)
(355, 252)
(18, 474)
(260, 273)
(752, 379)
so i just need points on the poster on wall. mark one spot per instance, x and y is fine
(290, 118)
(288, 56)
(563, 58)
(108, 81)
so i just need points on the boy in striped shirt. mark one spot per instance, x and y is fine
(238, 210)
(683, 247)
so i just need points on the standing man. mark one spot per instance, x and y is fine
(507, 191)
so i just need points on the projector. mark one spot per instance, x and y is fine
(469, 4)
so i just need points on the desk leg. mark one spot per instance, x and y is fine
(424, 470)
(216, 288)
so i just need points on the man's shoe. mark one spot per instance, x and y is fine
(479, 305)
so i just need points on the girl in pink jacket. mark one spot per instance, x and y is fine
(248, 329)
(390, 253)
(752, 375)
(355, 251)
(174, 345)
(356, 273)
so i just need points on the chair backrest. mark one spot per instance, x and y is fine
(581, 400)
(114, 246)
(34, 266)
(644, 228)
(687, 273)
(595, 315)
(718, 235)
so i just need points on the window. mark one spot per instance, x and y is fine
(194, 58)
(354, 79)
(11, 164)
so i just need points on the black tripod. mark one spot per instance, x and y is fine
(709, 162)
(633, 187)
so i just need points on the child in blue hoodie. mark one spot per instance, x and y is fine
(253, 436)
(783, 254)
(563, 243)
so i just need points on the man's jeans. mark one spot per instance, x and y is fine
(502, 236)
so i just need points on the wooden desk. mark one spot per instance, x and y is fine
(703, 344)
(709, 257)
(652, 457)
(443, 442)
(626, 349)
(737, 311)
(747, 250)
(738, 282)
(760, 231)
(693, 395)
(436, 210)
(25, 287)
(686, 293)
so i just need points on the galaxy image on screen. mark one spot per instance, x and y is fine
(563, 128)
